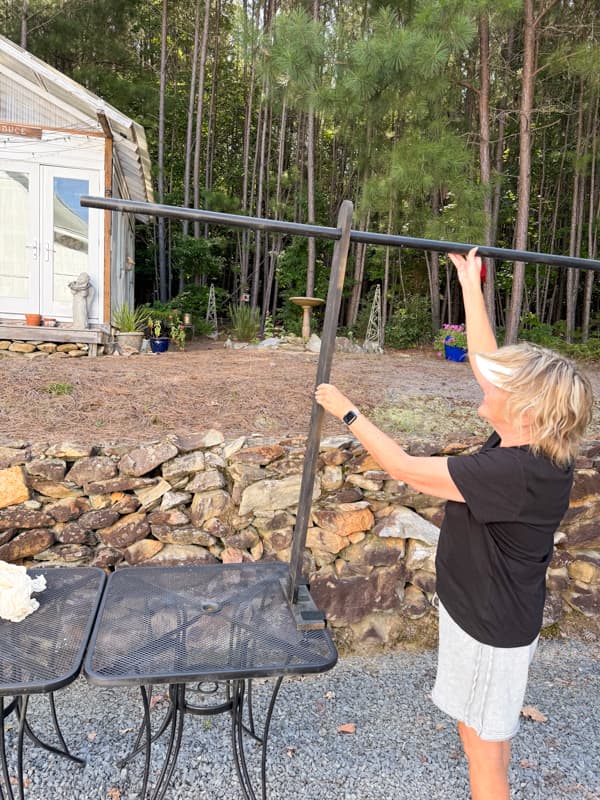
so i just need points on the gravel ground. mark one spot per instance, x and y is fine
(403, 747)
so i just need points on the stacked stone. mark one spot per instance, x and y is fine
(200, 499)
(42, 349)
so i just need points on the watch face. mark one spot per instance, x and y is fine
(349, 418)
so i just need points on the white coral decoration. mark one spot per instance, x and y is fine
(16, 588)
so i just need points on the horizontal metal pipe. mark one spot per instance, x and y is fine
(322, 232)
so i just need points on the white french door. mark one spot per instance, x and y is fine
(47, 239)
(19, 238)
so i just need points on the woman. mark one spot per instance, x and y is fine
(496, 540)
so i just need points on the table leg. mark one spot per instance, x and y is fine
(3, 759)
(238, 728)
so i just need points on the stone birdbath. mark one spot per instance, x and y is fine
(306, 303)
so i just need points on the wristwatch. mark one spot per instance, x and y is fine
(350, 417)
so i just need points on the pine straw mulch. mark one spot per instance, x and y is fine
(413, 394)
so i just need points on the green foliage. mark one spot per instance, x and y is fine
(128, 319)
(58, 389)
(410, 324)
(245, 322)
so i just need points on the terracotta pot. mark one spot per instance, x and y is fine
(33, 319)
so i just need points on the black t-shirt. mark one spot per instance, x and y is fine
(495, 547)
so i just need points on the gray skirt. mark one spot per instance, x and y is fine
(480, 685)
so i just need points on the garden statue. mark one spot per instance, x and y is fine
(80, 288)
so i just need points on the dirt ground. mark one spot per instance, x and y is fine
(141, 398)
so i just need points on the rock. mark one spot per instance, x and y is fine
(260, 456)
(243, 540)
(174, 499)
(52, 469)
(414, 603)
(204, 481)
(124, 503)
(325, 540)
(420, 556)
(582, 598)
(47, 347)
(13, 488)
(406, 524)
(314, 344)
(231, 555)
(144, 459)
(364, 483)
(345, 520)
(21, 347)
(584, 571)
(141, 551)
(94, 468)
(71, 533)
(181, 555)
(120, 484)
(347, 600)
(20, 517)
(101, 518)
(150, 495)
(186, 534)
(332, 478)
(376, 552)
(66, 554)
(274, 495)
(183, 465)
(173, 518)
(56, 489)
(106, 557)
(231, 448)
(197, 441)
(209, 504)
(11, 457)
(26, 545)
(70, 451)
(126, 531)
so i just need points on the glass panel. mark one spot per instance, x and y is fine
(14, 213)
(70, 226)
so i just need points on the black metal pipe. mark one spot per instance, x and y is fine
(323, 232)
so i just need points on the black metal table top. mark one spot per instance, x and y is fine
(44, 651)
(202, 622)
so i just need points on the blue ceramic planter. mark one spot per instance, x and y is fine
(159, 344)
(454, 353)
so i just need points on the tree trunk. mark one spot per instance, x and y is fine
(24, 12)
(185, 227)
(200, 112)
(163, 289)
(485, 162)
(575, 231)
(592, 235)
(524, 183)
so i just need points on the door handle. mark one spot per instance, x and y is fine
(49, 249)
(33, 247)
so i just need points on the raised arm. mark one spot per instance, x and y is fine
(480, 336)
(426, 474)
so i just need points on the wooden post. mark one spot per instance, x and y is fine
(332, 312)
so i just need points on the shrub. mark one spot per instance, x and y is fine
(245, 322)
(128, 319)
(409, 325)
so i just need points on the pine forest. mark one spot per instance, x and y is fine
(462, 120)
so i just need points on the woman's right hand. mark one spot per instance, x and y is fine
(468, 269)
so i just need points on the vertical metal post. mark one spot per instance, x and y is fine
(332, 312)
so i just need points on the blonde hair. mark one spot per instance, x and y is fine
(554, 393)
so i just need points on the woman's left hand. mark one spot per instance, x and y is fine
(332, 400)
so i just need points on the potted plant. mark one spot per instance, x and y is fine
(164, 326)
(451, 342)
(130, 323)
(159, 335)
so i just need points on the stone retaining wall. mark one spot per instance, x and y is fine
(200, 499)
(41, 349)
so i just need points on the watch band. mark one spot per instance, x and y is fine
(350, 417)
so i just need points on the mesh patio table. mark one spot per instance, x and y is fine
(43, 653)
(207, 624)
